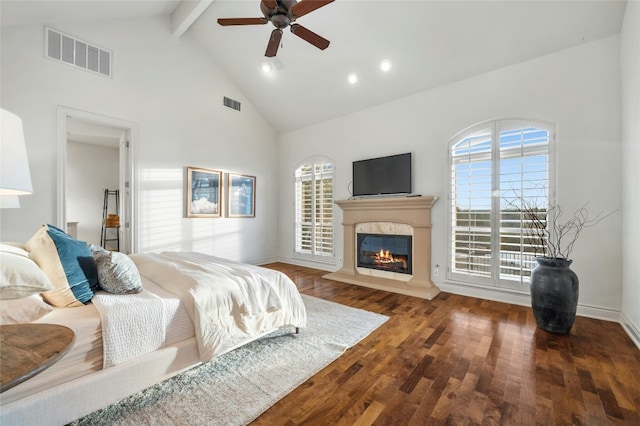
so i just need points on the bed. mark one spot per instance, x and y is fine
(186, 308)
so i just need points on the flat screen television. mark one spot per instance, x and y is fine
(383, 175)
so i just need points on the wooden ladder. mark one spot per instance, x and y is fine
(110, 222)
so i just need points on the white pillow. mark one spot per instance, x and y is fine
(14, 248)
(20, 277)
(26, 309)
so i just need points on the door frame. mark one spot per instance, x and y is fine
(127, 175)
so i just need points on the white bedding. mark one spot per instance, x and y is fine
(86, 355)
(79, 383)
(229, 303)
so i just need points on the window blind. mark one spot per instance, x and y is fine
(523, 177)
(314, 209)
(494, 167)
(471, 183)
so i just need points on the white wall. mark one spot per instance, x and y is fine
(578, 89)
(91, 168)
(630, 60)
(173, 92)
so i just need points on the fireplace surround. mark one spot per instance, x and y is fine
(410, 216)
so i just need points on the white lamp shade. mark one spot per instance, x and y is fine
(9, 202)
(15, 177)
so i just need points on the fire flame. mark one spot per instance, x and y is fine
(385, 257)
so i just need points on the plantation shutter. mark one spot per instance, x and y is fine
(304, 209)
(523, 175)
(314, 209)
(471, 199)
(493, 167)
(323, 209)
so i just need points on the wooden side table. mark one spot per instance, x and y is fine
(29, 349)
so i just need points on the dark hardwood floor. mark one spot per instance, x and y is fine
(463, 361)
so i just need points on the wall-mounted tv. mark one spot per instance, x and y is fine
(382, 176)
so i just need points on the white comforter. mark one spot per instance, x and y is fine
(229, 303)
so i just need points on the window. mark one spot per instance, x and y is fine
(314, 209)
(493, 167)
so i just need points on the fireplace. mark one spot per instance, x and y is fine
(385, 252)
(408, 218)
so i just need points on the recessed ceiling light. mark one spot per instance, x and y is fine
(353, 78)
(385, 65)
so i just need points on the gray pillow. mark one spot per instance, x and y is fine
(117, 273)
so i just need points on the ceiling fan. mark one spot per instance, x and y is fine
(282, 14)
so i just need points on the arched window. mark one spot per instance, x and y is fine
(494, 166)
(314, 209)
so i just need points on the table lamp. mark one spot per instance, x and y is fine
(15, 176)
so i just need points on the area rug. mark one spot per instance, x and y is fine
(237, 387)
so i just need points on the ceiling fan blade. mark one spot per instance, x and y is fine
(305, 6)
(270, 4)
(274, 43)
(242, 21)
(308, 35)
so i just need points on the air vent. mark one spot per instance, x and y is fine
(228, 102)
(78, 53)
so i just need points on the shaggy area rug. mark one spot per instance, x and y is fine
(237, 387)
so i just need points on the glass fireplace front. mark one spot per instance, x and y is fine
(385, 252)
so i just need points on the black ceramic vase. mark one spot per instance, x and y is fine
(554, 294)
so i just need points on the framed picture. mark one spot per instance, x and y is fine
(241, 190)
(204, 192)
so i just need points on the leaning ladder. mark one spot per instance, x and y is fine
(110, 222)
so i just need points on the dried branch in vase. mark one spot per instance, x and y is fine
(551, 236)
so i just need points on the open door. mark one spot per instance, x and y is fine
(94, 155)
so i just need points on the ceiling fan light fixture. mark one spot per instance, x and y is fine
(282, 14)
(352, 78)
(266, 68)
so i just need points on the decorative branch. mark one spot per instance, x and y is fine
(547, 230)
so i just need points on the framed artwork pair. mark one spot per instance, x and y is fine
(204, 194)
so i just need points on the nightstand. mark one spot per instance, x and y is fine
(29, 349)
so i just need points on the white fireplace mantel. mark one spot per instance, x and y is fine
(412, 211)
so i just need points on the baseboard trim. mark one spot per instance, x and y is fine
(513, 297)
(599, 313)
(263, 261)
(329, 267)
(631, 329)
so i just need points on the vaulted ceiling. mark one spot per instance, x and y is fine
(429, 43)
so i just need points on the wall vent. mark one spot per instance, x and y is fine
(69, 50)
(228, 102)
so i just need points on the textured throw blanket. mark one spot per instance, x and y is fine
(229, 303)
(132, 325)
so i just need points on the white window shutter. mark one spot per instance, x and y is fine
(493, 167)
(471, 183)
(314, 209)
(524, 174)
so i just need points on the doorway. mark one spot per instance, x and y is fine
(94, 155)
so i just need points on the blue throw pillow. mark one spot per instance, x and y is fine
(77, 262)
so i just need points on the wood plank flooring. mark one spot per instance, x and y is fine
(459, 360)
